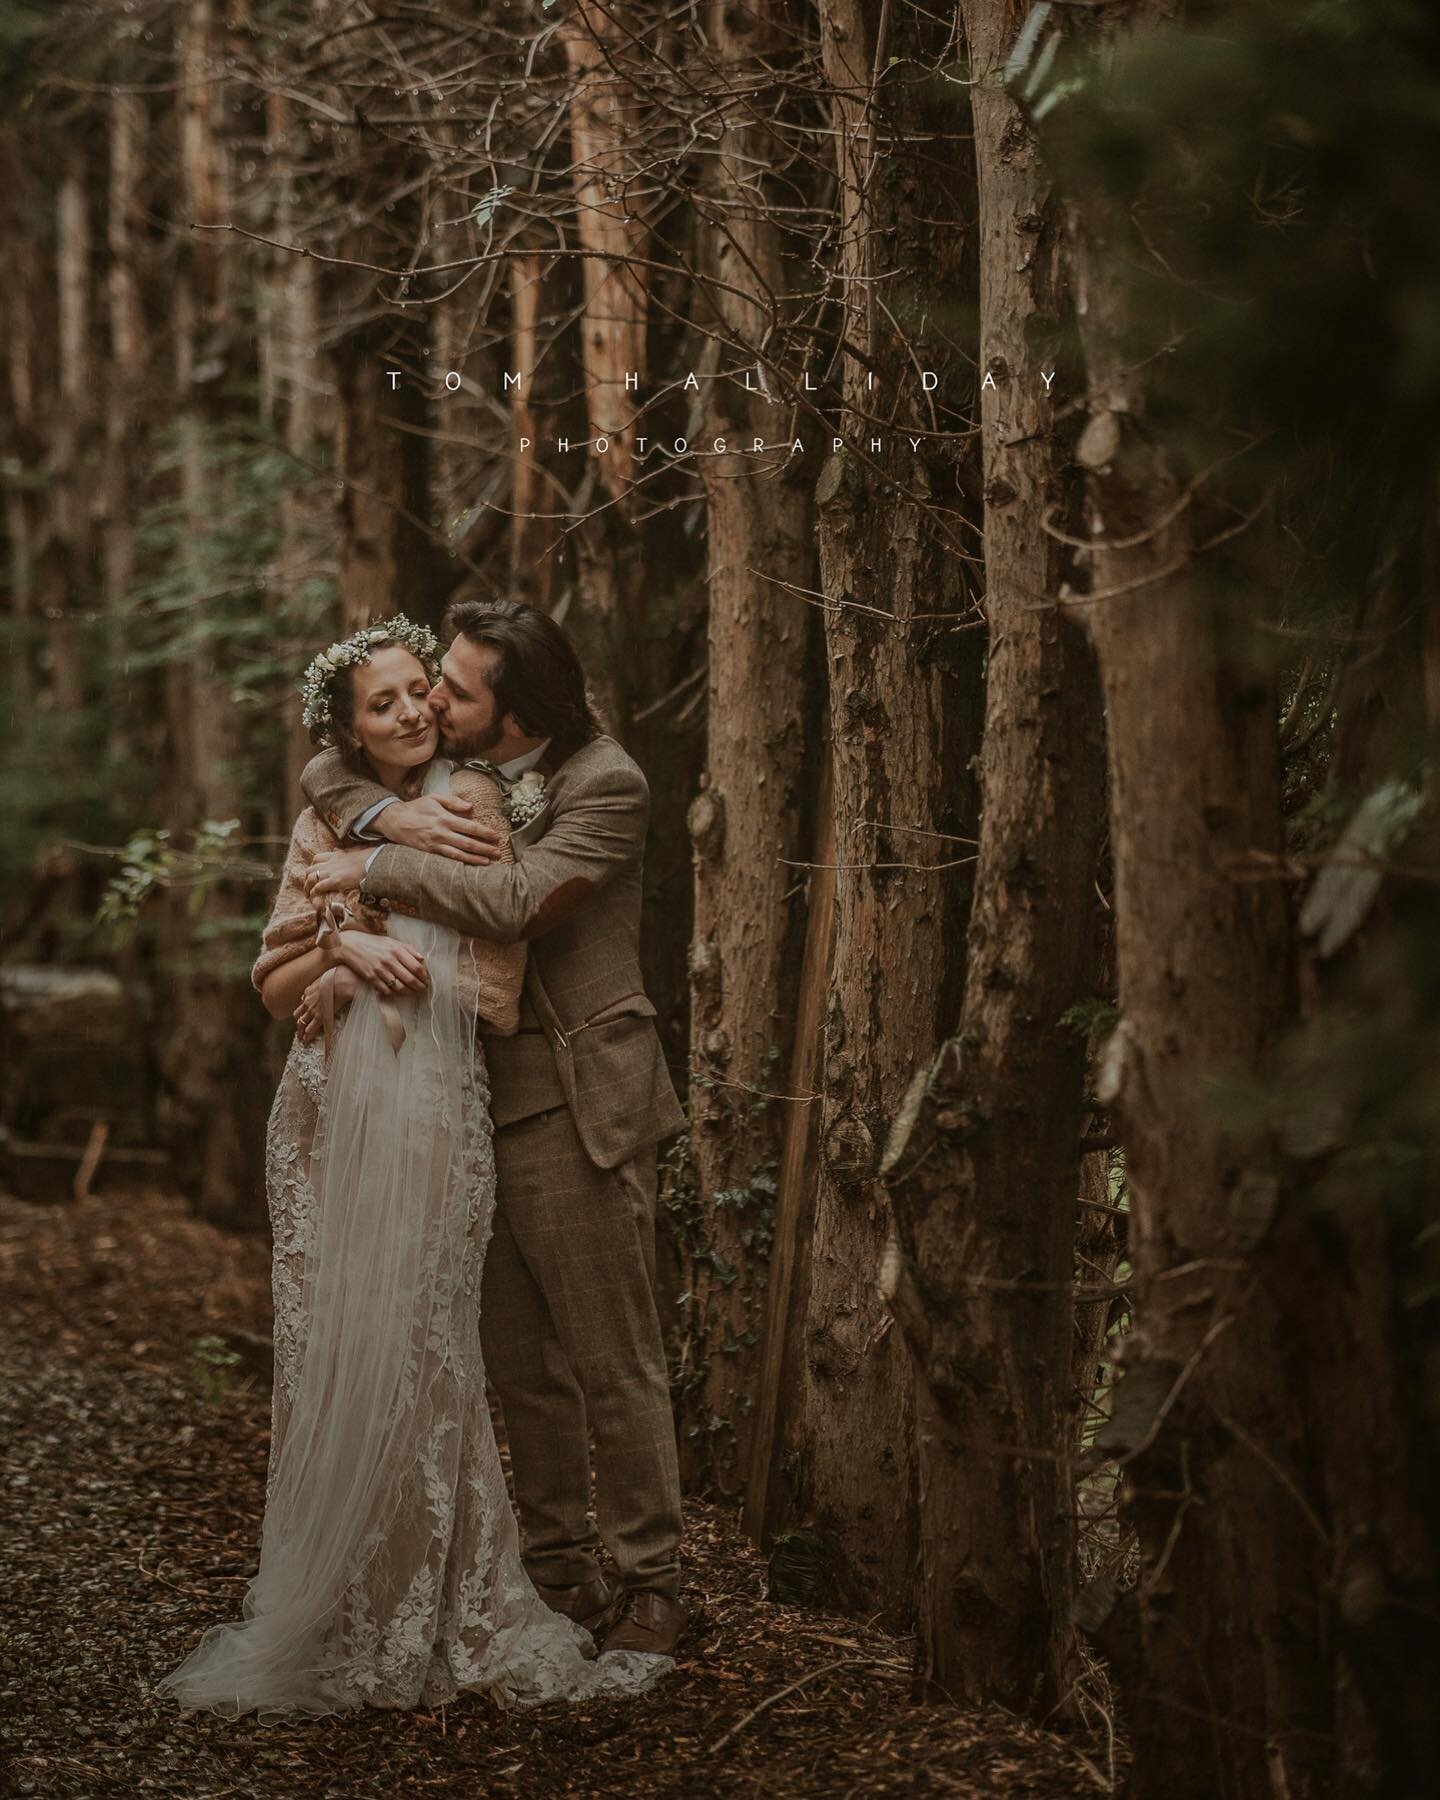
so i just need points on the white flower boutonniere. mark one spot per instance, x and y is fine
(526, 799)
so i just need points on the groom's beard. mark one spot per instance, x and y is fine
(479, 743)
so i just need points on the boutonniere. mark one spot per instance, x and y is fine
(525, 800)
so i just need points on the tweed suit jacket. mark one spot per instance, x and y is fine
(587, 1036)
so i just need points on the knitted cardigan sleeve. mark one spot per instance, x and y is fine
(291, 931)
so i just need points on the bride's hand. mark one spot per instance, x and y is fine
(307, 1013)
(389, 966)
(336, 872)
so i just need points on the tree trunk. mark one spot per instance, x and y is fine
(390, 554)
(984, 1159)
(904, 721)
(611, 584)
(746, 823)
(602, 121)
(128, 134)
(387, 558)
(782, 1347)
(298, 412)
(18, 423)
(1364, 1232)
(531, 574)
(211, 1054)
(68, 568)
(626, 588)
(1220, 1677)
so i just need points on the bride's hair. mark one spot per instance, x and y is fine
(342, 715)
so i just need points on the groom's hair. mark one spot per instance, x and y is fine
(537, 676)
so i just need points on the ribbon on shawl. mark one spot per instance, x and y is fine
(331, 924)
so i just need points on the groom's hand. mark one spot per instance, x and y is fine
(439, 823)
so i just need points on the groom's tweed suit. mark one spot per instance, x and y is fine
(580, 1096)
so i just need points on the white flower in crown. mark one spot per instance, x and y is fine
(526, 799)
(315, 684)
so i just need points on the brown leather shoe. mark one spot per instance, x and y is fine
(593, 1604)
(650, 1622)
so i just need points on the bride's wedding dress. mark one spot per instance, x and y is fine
(390, 1571)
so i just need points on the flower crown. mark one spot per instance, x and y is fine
(315, 685)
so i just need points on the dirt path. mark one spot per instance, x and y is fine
(132, 1498)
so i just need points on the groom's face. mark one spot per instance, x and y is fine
(464, 708)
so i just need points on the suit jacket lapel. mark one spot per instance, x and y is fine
(548, 765)
(531, 830)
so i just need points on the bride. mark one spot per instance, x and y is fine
(390, 1571)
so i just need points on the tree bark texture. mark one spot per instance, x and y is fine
(747, 822)
(391, 557)
(299, 409)
(1364, 1230)
(602, 109)
(984, 1159)
(124, 376)
(388, 561)
(780, 1386)
(210, 1057)
(611, 581)
(69, 566)
(531, 574)
(1218, 1649)
(904, 723)
(19, 423)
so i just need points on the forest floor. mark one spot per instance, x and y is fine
(133, 1473)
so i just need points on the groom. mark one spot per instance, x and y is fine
(580, 1097)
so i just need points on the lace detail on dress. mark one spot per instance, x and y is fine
(291, 1197)
(390, 1571)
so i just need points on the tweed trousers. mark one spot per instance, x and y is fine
(572, 1343)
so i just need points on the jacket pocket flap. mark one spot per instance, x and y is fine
(633, 1006)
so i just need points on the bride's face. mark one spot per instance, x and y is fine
(393, 722)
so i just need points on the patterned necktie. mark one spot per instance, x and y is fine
(503, 781)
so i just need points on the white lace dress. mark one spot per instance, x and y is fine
(390, 1571)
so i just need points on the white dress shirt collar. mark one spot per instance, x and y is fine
(522, 765)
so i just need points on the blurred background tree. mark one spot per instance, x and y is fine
(1258, 272)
